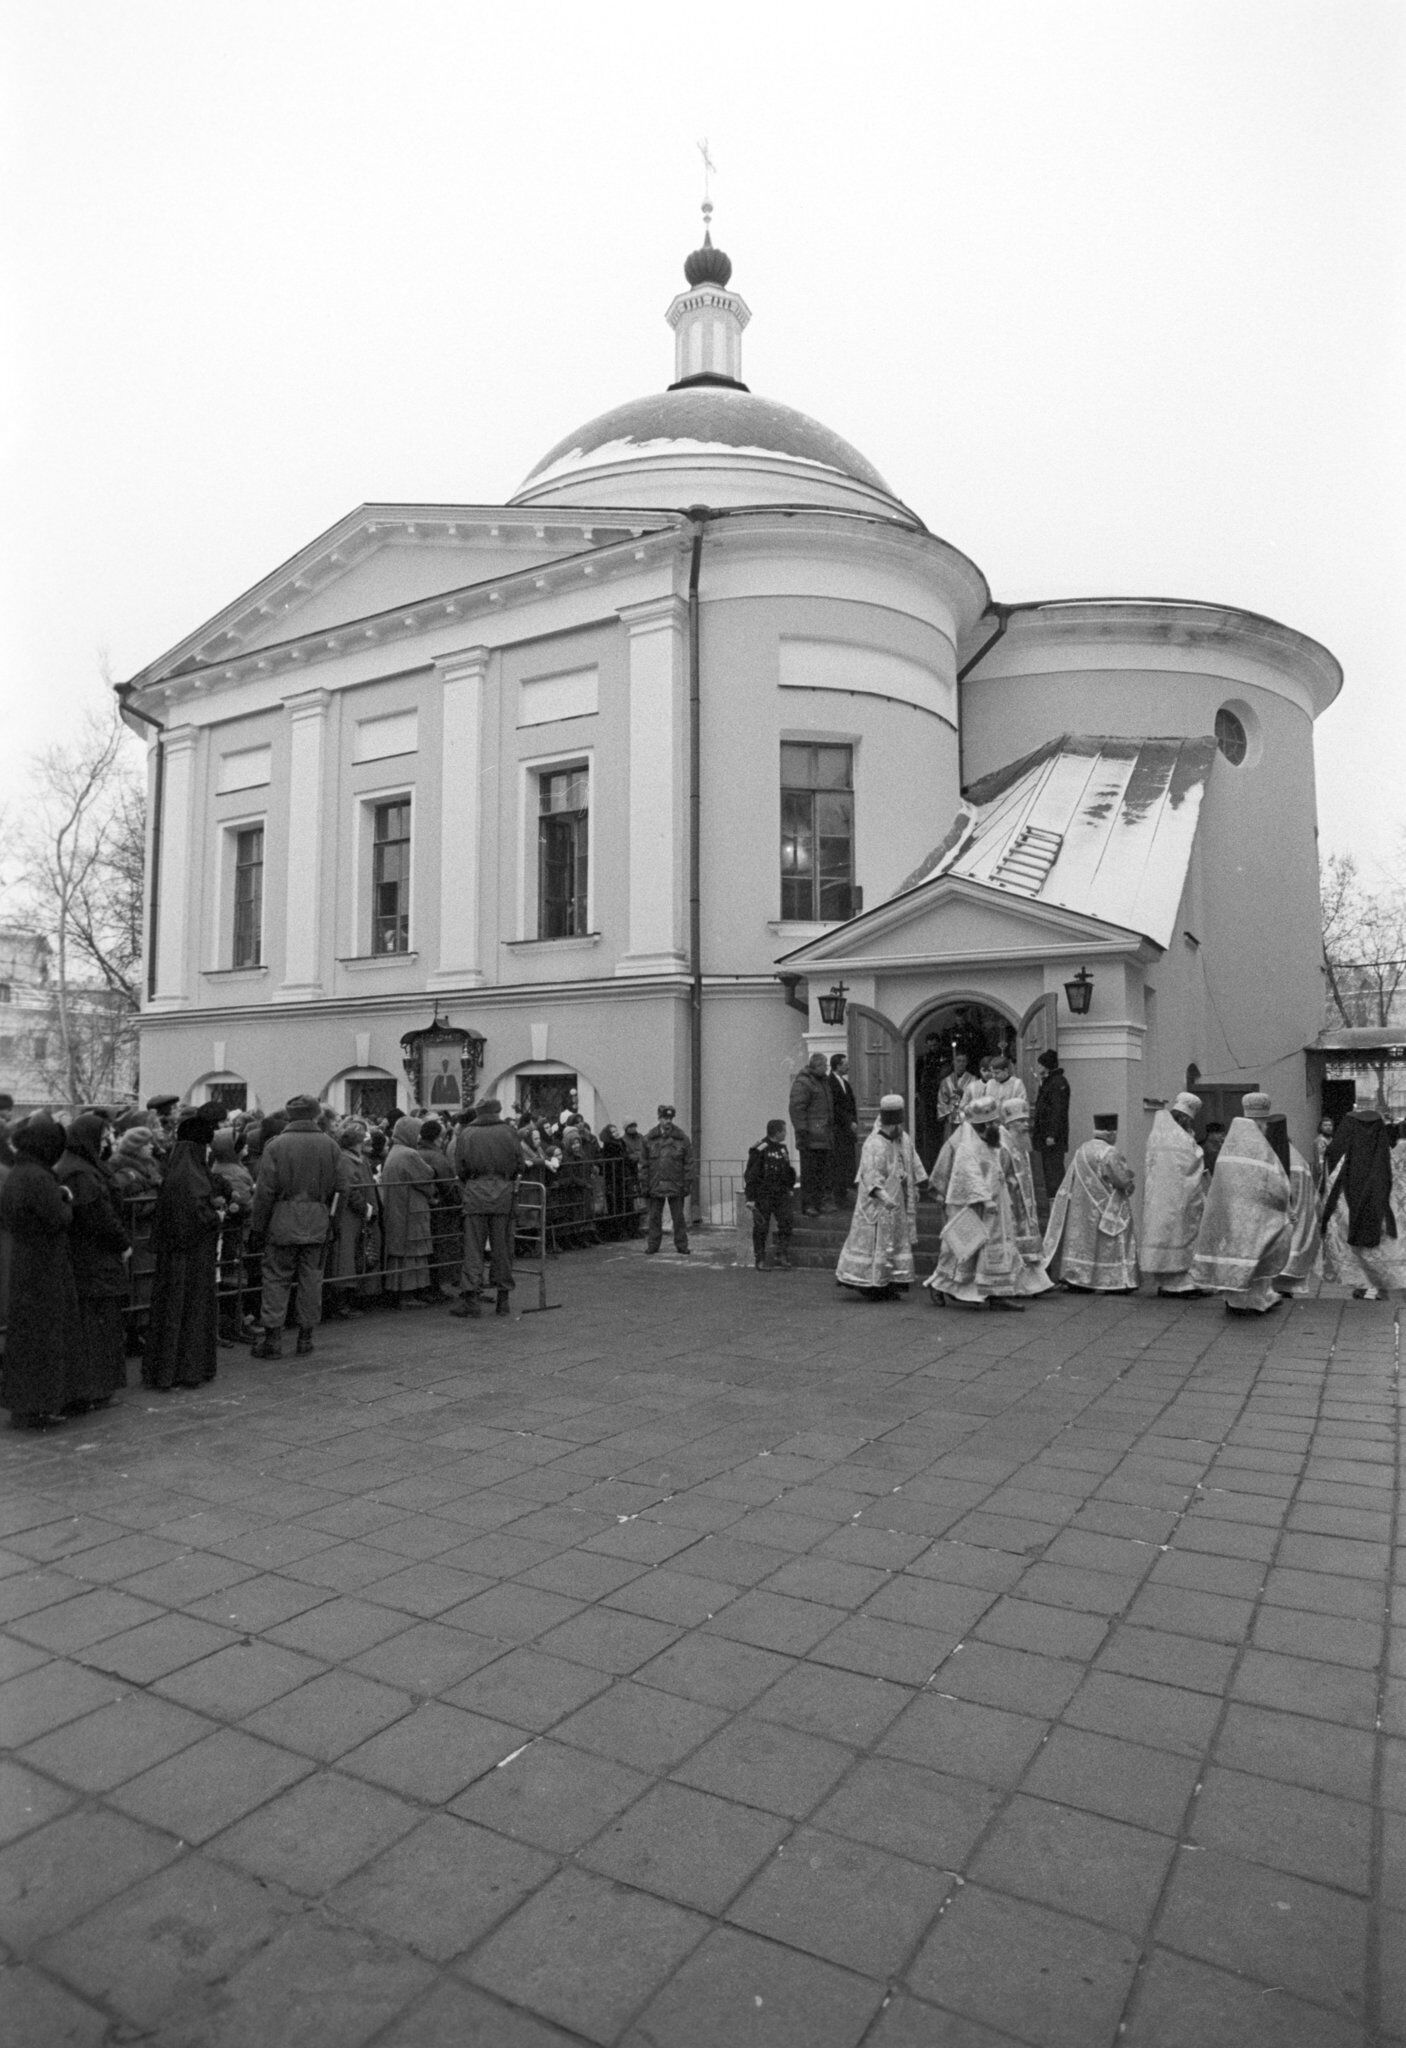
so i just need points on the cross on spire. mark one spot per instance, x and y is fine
(709, 173)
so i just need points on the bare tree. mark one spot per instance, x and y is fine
(81, 860)
(1364, 943)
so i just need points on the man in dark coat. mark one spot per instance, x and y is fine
(845, 1117)
(39, 1379)
(812, 1110)
(1049, 1127)
(767, 1186)
(100, 1249)
(488, 1159)
(182, 1327)
(298, 1176)
(668, 1169)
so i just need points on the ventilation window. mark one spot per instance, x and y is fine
(1231, 737)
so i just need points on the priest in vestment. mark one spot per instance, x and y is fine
(877, 1259)
(1304, 1263)
(1089, 1243)
(1245, 1232)
(1174, 1197)
(980, 1263)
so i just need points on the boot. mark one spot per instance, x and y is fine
(467, 1305)
(502, 1306)
(304, 1343)
(269, 1345)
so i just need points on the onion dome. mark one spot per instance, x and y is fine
(707, 265)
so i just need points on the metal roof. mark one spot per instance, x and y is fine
(1098, 825)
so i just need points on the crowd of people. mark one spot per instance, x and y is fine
(1240, 1214)
(222, 1227)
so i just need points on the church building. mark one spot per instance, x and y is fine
(701, 754)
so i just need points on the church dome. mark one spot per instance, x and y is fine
(707, 439)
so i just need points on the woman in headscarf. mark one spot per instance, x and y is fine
(877, 1259)
(407, 1188)
(446, 1211)
(40, 1376)
(99, 1249)
(1362, 1245)
(183, 1326)
(347, 1258)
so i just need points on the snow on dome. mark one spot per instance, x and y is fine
(708, 421)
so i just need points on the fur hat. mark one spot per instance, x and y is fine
(302, 1108)
(666, 1112)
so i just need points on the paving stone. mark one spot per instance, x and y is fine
(63, 1537)
(921, 1815)
(843, 1705)
(750, 1993)
(1202, 1571)
(882, 1549)
(318, 1986)
(1298, 1750)
(27, 1800)
(1179, 2002)
(1307, 1940)
(679, 1598)
(765, 1764)
(185, 1580)
(434, 1752)
(1021, 1624)
(967, 1564)
(38, 2010)
(827, 1581)
(1335, 1639)
(1289, 1827)
(582, 1575)
(116, 1742)
(53, 1875)
(236, 1681)
(528, 1688)
(258, 1604)
(442, 1887)
(317, 1833)
(1014, 1965)
(1173, 1660)
(157, 1648)
(150, 1952)
(586, 1951)
(774, 1621)
(1302, 1685)
(120, 1558)
(204, 1788)
(853, 1904)
(609, 1639)
(686, 1845)
(911, 2023)
(330, 1715)
(710, 1668)
(428, 1658)
(932, 1603)
(642, 1726)
(1078, 1861)
(50, 1694)
(886, 1649)
(1015, 1679)
(512, 1613)
(16, 1658)
(73, 1625)
(456, 2015)
(1212, 1616)
(551, 1796)
(964, 1739)
(334, 1629)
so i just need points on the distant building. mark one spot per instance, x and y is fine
(26, 1004)
(625, 776)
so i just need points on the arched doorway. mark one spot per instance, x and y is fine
(960, 1025)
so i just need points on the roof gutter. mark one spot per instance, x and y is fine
(699, 515)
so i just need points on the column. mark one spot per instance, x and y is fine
(308, 873)
(174, 878)
(464, 678)
(658, 791)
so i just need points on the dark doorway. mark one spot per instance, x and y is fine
(230, 1094)
(1337, 1098)
(375, 1100)
(546, 1095)
(969, 1028)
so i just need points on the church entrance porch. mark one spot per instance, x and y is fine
(973, 1030)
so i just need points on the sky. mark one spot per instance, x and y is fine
(1112, 294)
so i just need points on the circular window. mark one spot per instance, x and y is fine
(1231, 737)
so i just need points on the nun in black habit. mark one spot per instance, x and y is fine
(99, 1248)
(183, 1325)
(40, 1378)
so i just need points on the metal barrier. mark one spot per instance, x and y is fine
(530, 1231)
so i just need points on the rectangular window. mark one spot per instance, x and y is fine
(41, 1046)
(563, 853)
(390, 878)
(248, 897)
(817, 833)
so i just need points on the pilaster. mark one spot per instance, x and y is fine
(464, 680)
(174, 879)
(658, 794)
(307, 748)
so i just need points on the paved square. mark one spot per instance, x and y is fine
(719, 1662)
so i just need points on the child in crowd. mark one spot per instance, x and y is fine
(767, 1186)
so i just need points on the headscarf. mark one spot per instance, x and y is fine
(406, 1132)
(84, 1139)
(352, 1137)
(39, 1138)
(185, 1205)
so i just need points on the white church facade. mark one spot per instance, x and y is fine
(620, 780)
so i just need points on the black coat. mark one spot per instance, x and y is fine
(1362, 1145)
(182, 1330)
(1049, 1122)
(42, 1344)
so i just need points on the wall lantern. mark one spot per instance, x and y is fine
(1079, 993)
(832, 1006)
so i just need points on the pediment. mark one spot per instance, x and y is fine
(949, 919)
(381, 557)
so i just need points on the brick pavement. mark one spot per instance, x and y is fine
(718, 1663)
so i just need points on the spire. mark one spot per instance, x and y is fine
(708, 319)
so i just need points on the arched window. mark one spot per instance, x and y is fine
(1231, 737)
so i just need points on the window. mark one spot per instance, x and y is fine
(390, 877)
(7, 1048)
(817, 833)
(4, 991)
(563, 853)
(248, 897)
(41, 1045)
(1231, 737)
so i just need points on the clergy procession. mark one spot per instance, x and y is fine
(1245, 1216)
